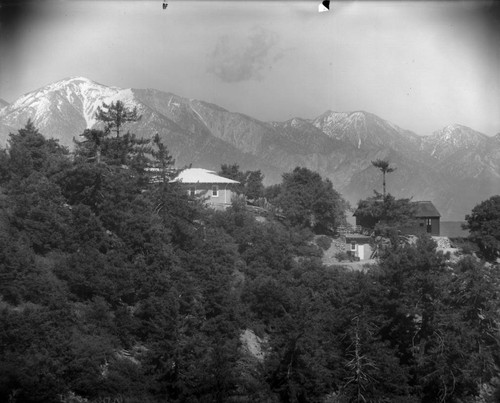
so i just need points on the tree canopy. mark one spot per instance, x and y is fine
(309, 201)
(115, 288)
(95, 144)
(251, 182)
(378, 211)
(385, 168)
(115, 115)
(484, 227)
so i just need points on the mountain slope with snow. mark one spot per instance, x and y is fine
(453, 138)
(363, 129)
(63, 109)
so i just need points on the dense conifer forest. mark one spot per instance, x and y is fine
(116, 286)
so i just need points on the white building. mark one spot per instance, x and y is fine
(216, 190)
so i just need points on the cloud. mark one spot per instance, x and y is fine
(240, 59)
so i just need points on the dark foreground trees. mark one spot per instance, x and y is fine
(386, 216)
(447, 343)
(250, 181)
(484, 227)
(307, 200)
(116, 288)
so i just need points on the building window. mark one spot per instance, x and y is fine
(215, 191)
(192, 191)
(429, 221)
(353, 245)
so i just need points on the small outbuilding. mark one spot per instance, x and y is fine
(427, 218)
(358, 245)
(203, 183)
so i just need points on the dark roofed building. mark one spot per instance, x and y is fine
(425, 209)
(427, 217)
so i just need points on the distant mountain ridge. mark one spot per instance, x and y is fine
(455, 167)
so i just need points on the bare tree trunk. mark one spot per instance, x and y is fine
(383, 175)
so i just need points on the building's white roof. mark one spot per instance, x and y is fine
(200, 175)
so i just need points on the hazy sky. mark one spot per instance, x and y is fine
(421, 65)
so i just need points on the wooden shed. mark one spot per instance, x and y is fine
(427, 218)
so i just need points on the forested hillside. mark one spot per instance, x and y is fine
(117, 287)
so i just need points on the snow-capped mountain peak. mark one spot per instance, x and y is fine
(449, 140)
(76, 97)
(362, 129)
(457, 135)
